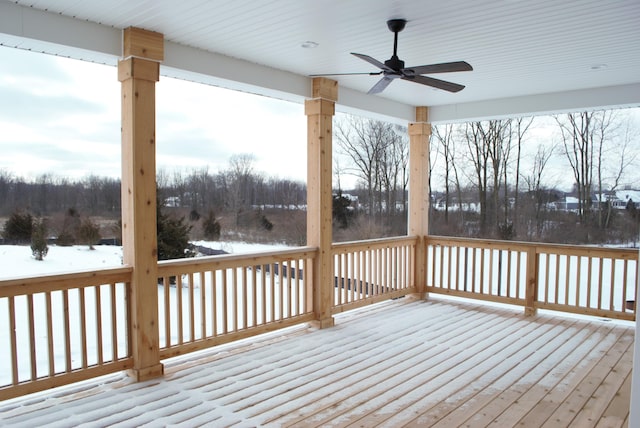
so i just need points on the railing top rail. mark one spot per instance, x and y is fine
(167, 267)
(540, 247)
(379, 242)
(64, 281)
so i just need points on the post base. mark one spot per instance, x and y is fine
(325, 323)
(140, 375)
(529, 312)
(420, 296)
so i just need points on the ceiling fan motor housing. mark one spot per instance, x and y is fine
(394, 63)
(396, 25)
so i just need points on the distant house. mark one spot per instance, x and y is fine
(623, 197)
(619, 199)
(172, 202)
(570, 203)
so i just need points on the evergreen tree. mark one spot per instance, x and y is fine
(39, 247)
(173, 236)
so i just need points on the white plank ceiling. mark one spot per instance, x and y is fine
(528, 56)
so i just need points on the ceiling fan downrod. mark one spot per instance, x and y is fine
(395, 25)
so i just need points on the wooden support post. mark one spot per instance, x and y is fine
(419, 134)
(320, 110)
(531, 292)
(138, 72)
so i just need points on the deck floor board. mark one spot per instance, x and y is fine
(440, 363)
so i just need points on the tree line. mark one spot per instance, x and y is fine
(498, 178)
(489, 179)
(235, 189)
(198, 203)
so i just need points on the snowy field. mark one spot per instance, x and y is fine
(17, 261)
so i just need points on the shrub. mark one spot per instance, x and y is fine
(70, 228)
(88, 233)
(342, 211)
(265, 223)
(194, 215)
(39, 247)
(18, 228)
(211, 227)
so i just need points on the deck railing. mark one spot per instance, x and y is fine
(212, 300)
(367, 272)
(577, 279)
(60, 329)
(64, 328)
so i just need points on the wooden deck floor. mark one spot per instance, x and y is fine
(402, 363)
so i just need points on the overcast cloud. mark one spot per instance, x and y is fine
(62, 116)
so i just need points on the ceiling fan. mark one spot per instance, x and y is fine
(394, 67)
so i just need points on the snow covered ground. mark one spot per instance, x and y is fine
(17, 261)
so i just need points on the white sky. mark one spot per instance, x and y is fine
(62, 116)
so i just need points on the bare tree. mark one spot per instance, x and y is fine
(577, 130)
(239, 177)
(592, 147)
(377, 153)
(521, 125)
(443, 137)
(615, 140)
(496, 136)
(393, 161)
(536, 191)
(479, 156)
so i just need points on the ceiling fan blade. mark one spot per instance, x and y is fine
(380, 86)
(346, 74)
(445, 67)
(436, 83)
(372, 61)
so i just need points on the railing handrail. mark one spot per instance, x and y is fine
(565, 249)
(373, 243)
(224, 261)
(64, 281)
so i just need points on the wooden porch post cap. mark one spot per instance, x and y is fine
(324, 88)
(141, 43)
(422, 114)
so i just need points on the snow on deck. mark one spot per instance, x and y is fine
(405, 362)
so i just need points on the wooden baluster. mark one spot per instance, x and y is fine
(214, 302)
(83, 328)
(114, 322)
(532, 282)
(203, 307)
(98, 314)
(13, 340)
(49, 314)
(67, 332)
